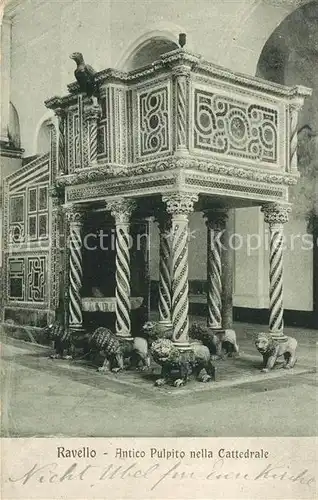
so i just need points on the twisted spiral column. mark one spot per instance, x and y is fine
(164, 222)
(180, 205)
(121, 210)
(215, 222)
(92, 115)
(276, 215)
(75, 219)
(294, 109)
(181, 75)
(61, 143)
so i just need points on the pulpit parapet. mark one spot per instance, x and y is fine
(181, 113)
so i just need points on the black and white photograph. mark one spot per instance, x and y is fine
(159, 221)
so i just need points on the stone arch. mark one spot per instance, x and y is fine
(148, 47)
(14, 127)
(289, 57)
(41, 142)
(242, 42)
(296, 36)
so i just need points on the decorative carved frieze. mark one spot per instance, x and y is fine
(214, 167)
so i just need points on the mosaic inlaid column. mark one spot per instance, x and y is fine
(121, 210)
(181, 78)
(215, 222)
(56, 260)
(61, 114)
(164, 305)
(276, 216)
(293, 111)
(179, 206)
(92, 114)
(75, 219)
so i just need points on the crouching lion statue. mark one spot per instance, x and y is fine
(271, 350)
(102, 340)
(105, 342)
(176, 366)
(151, 331)
(221, 343)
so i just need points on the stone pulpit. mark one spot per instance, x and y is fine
(177, 136)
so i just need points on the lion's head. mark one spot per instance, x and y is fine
(163, 351)
(264, 342)
(155, 330)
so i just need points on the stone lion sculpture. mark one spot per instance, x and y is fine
(271, 350)
(150, 332)
(221, 343)
(177, 366)
(62, 340)
(105, 342)
(101, 340)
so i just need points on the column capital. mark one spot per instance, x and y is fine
(275, 213)
(92, 112)
(60, 112)
(180, 203)
(74, 214)
(181, 71)
(121, 209)
(296, 105)
(216, 219)
(57, 195)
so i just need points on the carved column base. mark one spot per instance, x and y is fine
(183, 347)
(76, 330)
(278, 336)
(165, 323)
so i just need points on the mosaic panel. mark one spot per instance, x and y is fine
(234, 128)
(154, 122)
(36, 279)
(16, 279)
(17, 219)
(38, 212)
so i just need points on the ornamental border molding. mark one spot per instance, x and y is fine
(197, 64)
(113, 171)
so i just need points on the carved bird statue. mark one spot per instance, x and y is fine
(85, 75)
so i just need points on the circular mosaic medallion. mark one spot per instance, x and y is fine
(237, 128)
(220, 124)
(268, 135)
(153, 101)
(154, 121)
(154, 142)
(204, 120)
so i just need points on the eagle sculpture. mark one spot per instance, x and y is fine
(85, 75)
